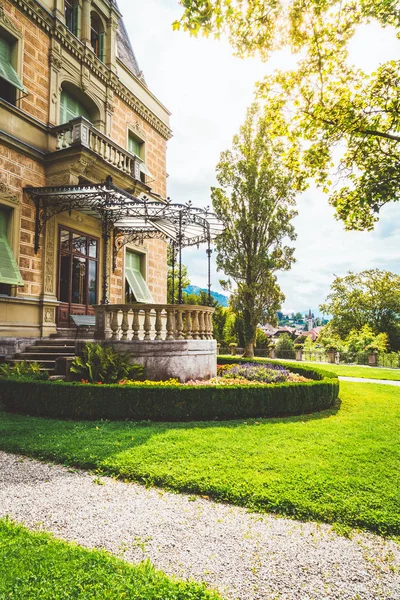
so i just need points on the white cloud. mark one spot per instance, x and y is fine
(208, 90)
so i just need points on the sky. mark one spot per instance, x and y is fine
(208, 90)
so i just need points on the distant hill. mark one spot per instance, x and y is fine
(195, 289)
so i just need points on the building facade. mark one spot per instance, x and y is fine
(75, 110)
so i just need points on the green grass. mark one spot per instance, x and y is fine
(337, 466)
(35, 566)
(355, 371)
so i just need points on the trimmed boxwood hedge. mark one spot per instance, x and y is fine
(170, 403)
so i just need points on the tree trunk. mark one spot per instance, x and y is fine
(249, 335)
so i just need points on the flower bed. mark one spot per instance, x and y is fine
(171, 400)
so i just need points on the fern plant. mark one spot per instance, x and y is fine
(103, 364)
(23, 368)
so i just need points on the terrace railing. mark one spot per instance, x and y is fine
(80, 132)
(153, 322)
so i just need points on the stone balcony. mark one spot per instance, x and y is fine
(80, 151)
(170, 340)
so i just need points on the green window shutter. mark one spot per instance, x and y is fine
(134, 145)
(7, 71)
(135, 278)
(9, 272)
(70, 109)
(75, 21)
(102, 37)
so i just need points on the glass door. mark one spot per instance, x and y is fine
(77, 274)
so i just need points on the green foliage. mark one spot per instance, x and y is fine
(104, 364)
(326, 102)
(169, 402)
(35, 566)
(370, 298)
(255, 203)
(262, 341)
(23, 368)
(173, 282)
(340, 465)
(284, 347)
(362, 340)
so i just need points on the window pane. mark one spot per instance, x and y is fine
(64, 240)
(134, 145)
(93, 248)
(92, 282)
(79, 291)
(79, 243)
(64, 278)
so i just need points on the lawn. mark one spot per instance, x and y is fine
(355, 371)
(35, 566)
(338, 466)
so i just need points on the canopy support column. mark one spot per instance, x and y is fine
(209, 252)
(180, 297)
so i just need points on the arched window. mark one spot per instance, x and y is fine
(71, 108)
(97, 36)
(71, 12)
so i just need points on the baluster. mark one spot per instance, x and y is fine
(202, 326)
(59, 141)
(135, 324)
(114, 325)
(195, 325)
(147, 324)
(179, 325)
(94, 143)
(124, 325)
(158, 324)
(188, 325)
(101, 148)
(170, 323)
(210, 326)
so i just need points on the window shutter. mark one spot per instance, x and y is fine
(7, 71)
(9, 272)
(135, 278)
(133, 145)
(75, 22)
(71, 109)
(102, 46)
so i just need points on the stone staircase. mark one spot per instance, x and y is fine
(45, 352)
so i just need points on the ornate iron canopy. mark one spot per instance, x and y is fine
(131, 219)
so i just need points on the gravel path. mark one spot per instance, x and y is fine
(244, 555)
(365, 380)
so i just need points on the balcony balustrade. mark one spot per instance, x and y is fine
(81, 133)
(153, 322)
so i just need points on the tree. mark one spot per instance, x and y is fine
(371, 298)
(175, 279)
(325, 102)
(284, 347)
(255, 203)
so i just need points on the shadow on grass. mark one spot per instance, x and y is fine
(90, 443)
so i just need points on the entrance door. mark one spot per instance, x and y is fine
(77, 275)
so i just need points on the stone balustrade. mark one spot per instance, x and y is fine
(80, 132)
(152, 322)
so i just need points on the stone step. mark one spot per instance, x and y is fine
(56, 349)
(41, 356)
(46, 364)
(67, 343)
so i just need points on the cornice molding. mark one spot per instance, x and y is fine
(7, 23)
(56, 29)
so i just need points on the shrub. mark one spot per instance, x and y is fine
(284, 347)
(167, 402)
(103, 364)
(23, 369)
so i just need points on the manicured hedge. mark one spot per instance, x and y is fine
(169, 403)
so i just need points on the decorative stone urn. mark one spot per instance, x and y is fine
(233, 348)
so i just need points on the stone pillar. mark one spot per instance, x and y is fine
(299, 354)
(59, 10)
(49, 300)
(373, 359)
(85, 28)
(331, 356)
(103, 329)
(111, 43)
